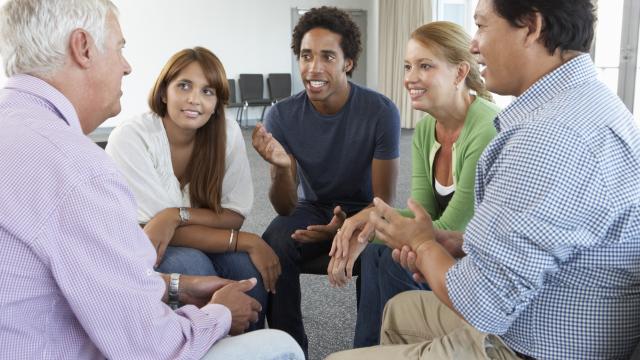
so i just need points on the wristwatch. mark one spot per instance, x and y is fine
(174, 289)
(184, 215)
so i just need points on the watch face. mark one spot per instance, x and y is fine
(184, 215)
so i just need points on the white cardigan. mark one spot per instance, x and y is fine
(140, 147)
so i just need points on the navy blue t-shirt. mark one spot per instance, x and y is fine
(334, 152)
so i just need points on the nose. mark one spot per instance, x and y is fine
(474, 45)
(127, 67)
(193, 97)
(410, 75)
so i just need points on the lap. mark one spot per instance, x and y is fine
(261, 344)
(185, 260)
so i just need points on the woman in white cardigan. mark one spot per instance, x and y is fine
(189, 172)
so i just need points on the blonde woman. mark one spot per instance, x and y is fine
(443, 80)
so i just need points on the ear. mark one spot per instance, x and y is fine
(80, 48)
(533, 24)
(348, 65)
(463, 71)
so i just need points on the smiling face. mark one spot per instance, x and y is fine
(323, 69)
(429, 78)
(190, 99)
(500, 50)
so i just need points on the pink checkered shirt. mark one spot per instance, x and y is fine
(76, 270)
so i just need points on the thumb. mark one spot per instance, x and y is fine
(417, 209)
(246, 285)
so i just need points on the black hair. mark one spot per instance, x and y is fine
(566, 24)
(334, 20)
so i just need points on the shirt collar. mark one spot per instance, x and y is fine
(569, 75)
(40, 88)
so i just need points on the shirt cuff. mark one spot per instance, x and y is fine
(221, 313)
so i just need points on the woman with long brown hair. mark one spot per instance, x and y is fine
(188, 169)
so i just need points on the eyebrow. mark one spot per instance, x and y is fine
(325, 52)
(420, 60)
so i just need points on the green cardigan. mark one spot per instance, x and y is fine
(476, 134)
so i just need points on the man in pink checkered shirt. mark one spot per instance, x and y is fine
(76, 270)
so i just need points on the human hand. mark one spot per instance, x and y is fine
(340, 269)
(269, 148)
(244, 309)
(160, 230)
(354, 227)
(396, 230)
(320, 233)
(407, 259)
(264, 259)
(451, 241)
(198, 290)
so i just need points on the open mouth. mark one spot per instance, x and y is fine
(316, 84)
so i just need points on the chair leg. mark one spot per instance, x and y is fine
(262, 115)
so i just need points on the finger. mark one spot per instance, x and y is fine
(339, 272)
(404, 253)
(384, 210)
(395, 255)
(255, 305)
(366, 233)
(266, 278)
(306, 236)
(350, 263)
(380, 225)
(320, 228)
(417, 209)
(339, 214)
(336, 239)
(417, 277)
(245, 285)
(330, 271)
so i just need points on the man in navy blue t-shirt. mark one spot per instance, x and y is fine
(332, 148)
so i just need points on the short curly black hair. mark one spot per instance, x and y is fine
(334, 20)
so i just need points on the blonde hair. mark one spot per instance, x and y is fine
(453, 43)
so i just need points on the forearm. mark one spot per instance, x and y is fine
(283, 192)
(227, 219)
(211, 240)
(384, 176)
(433, 262)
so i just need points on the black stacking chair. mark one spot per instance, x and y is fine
(233, 101)
(252, 90)
(279, 86)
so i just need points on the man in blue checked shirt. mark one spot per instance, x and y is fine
(552, 265)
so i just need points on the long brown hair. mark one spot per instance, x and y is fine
(205, 170)
(453, 43)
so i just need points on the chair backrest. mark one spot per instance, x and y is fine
(251, 86)
(232, 91)
(279, 86)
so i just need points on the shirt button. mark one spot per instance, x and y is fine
(149, 272)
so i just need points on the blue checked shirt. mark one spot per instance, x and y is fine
(553, 252)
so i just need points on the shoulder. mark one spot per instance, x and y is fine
(140, 126)
(233, 134)
(373, 102)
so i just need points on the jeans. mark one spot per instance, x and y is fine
(284, 310)
(263, 344)
(233, 266)
(382, 279)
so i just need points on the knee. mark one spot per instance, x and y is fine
(186, 261)
(281, 345)
(278, 236)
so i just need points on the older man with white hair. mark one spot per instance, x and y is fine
(76, 269)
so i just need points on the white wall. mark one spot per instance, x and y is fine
(249, 36)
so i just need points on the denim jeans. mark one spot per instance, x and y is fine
(284, 311)
(263, 344)
(233, 266)
(382, 279)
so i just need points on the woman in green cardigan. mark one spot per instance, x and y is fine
(443, 80)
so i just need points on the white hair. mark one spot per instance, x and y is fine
(34, 34)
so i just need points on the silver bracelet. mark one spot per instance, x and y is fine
(230, 241)
(174, 289)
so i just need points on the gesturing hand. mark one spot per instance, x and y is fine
(396, 230)
(319, 233)
(269, 148)
(244, 309)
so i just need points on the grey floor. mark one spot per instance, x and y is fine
(329, 314)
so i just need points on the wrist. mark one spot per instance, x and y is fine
(173, 299)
